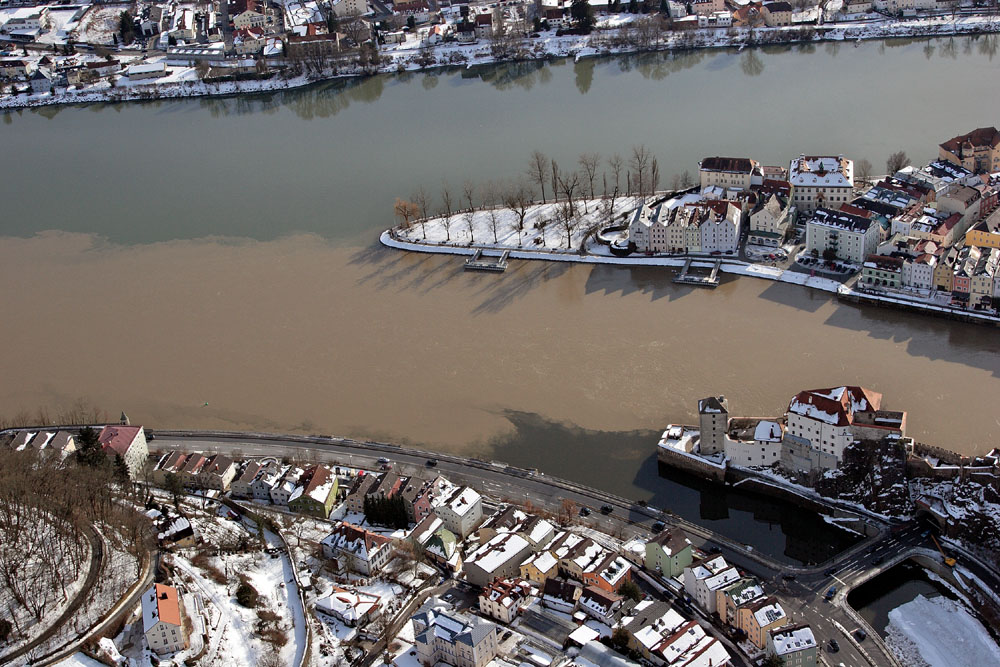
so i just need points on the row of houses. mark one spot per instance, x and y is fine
(737, 599)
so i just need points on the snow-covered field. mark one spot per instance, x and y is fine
(939, 632)
(543, 228)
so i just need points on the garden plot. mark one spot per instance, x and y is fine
(99, 24)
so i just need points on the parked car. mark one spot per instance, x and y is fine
(659, 526)
(641, 503)
(584, 511)
(833, 646)
(607, 509)
(431, 463)
(860, 635)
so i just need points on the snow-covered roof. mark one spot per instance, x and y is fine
(543, 562)
(769, 612)
(767, 431)
(464, 500)
(792, 639)
(351, 606)
(821, 171)
(498, 551)
(145, 68)
(680, 438)
(650, 630)
(432, 624)
(691, 646)
(356, 540)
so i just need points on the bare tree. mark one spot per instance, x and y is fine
(566, 219)
(489, 199)
(617, 164)
(896, 161)
(865, 171)
(538, 170)
(469, 192)
(420, 199)
(589, 162)
(446, 208)
(639, 168)
(518, 198)
(568, 185)
(654, 176)
(555, 180)
(405, 211)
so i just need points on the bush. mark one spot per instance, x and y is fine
(247, 595)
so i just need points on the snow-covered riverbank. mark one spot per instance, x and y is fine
(544, 234)
(611, 40)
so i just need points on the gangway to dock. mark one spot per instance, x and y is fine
(480, 262)
(686, 277)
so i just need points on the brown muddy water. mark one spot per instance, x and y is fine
(297, 334)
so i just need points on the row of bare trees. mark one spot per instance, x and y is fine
(542, 181)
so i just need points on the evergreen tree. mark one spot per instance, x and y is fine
(175, 486)
(121, 470)
(583, 14)
(89, 452)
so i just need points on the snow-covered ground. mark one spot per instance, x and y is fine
(99, 24)
(939, 632)
(544, 237)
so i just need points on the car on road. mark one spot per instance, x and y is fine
(832, 646)
(659, 526)
(607, 509)
(877, 560)
(382, 461)
(714, 550)
(432, 463)
(584, 511)
(830, 593)
(829, 572)
(860, 635)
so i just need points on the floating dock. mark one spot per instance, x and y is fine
(479, 262)
(687, 278)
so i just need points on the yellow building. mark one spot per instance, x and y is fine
(986, 234)
(758, 618)
(978, 151)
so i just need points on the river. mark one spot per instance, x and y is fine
(213, 263)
